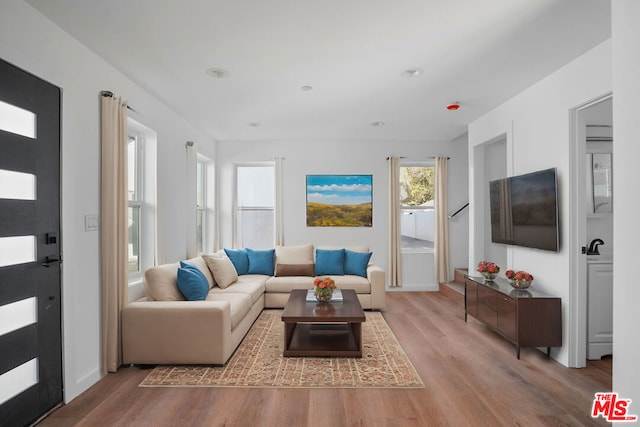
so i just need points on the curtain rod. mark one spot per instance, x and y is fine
(425, 158)
(109, 94)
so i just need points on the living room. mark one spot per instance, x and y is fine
(535, 124)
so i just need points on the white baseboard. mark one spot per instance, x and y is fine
(73, 390)
(413, 288)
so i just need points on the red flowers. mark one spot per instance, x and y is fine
(518, 275)
(487, 267)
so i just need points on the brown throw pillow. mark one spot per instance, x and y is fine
(295, 270)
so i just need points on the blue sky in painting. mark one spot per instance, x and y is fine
(339, 189)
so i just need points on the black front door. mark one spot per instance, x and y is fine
(30, 306)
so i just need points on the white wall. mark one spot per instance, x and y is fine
(495, 167)
(536, 126)
(322, 157)
(626, 292)
(30, 41)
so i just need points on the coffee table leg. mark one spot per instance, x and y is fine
(356, 330)
(288, 334)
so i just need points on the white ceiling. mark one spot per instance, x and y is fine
(352, 52)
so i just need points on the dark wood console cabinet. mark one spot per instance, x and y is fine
(525, 317)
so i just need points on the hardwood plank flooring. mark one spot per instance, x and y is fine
(471, 376)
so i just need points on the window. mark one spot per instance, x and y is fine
(255, 206)
(202, 224)
(135, 194)
(418, 215)
(141, 191)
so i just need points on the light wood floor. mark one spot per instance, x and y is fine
(471, 376)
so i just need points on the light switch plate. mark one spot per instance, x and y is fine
(91, 223)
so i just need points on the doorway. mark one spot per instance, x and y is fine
(591, 233)
(30, 239)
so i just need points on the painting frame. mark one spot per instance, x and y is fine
(334, 200)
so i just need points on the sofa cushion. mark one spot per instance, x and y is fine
(202, 266)
(295, 270)
(302, 254)
(240, 305)
(329, 262)
(224, 273)
(239, 259)
(250, 284)
(358, 283)
(261, 262)
(356, 262)
(160, 283)
(191, 282)
(287, 283)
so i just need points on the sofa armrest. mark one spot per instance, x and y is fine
(164, 332)
(377, 281)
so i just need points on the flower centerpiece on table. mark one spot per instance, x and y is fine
(323, 288)
(488, 270)
(519, 279)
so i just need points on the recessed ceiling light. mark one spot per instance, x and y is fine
(413, 72)
(254, 124)
(377, 124)
(217, 73)
(307, 88)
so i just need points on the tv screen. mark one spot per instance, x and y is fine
(524, 210)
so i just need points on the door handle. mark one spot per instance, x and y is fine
(48, 261)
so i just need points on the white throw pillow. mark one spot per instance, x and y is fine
(224, 273)
(302, 254)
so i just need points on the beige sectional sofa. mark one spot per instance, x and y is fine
(164, 328)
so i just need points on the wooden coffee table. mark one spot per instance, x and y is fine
(323, 328)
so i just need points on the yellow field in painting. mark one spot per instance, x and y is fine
(324, 215)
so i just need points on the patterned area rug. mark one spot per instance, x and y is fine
(258, 362)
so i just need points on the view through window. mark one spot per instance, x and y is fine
(201, 204)
(255, 206)
(417, 200)
(134, 191)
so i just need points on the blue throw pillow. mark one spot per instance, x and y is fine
(329, 262)
(239, 259)
(191, 282)
(356, 262)
(261, 262)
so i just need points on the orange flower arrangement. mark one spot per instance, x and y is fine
(324, 287)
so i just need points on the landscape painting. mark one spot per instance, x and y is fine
(339, 200)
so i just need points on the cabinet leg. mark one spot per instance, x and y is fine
(518, 351)
(548, 352)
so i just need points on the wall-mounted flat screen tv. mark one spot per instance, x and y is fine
(524, 210)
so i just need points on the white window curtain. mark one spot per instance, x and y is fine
(113, 226)
(441, 255)
(395, 238)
